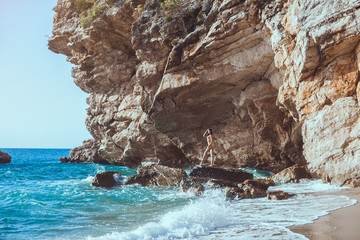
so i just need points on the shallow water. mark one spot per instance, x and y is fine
(41, 198)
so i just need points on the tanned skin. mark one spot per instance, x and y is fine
(210, 147)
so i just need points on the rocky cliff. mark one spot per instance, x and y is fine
(276, 80)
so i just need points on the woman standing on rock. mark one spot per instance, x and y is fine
(210, 148)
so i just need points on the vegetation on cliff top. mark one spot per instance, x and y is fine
(89, 9)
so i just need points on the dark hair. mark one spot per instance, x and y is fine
(210, 130)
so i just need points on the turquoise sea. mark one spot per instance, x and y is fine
(41, 198)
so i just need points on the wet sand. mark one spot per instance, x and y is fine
(340, 224)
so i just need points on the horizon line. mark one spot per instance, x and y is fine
(35, 148)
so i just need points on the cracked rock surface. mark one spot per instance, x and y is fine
(277, 81)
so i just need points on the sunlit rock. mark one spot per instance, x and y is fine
(277, 81)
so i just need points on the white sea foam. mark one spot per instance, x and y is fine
(88, 180)
(196, 219)
(307, 186)
(119, 179)
(213, 217)
(99, 168)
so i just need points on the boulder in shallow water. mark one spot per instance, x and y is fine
(4, 157)
(157, 175)
(291, 174)
(64, 159)
(232, 175)
(279, 195)
(264, 183)
(108, 179)
(245, 191)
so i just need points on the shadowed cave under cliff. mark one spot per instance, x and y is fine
(278, 82)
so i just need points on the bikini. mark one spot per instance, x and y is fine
(211, 145)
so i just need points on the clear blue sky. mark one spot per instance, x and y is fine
(40, 106)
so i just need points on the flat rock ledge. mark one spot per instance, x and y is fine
(109, 179)
(4, 158)
(236, 183)
(233, 175)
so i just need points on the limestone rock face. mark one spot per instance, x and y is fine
(315, 43)
(291, 174)
(88, 152)
(277, 81)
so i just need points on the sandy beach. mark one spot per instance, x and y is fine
(340, 224)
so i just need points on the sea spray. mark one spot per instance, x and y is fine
(213, 217)
(198, 218)
(41, 198)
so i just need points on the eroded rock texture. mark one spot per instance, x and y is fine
(276, 81)
(316, 44)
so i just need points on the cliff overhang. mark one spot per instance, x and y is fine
(277, 81)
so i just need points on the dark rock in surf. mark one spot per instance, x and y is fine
(232, 175)
(264, 183)
(144, 180)
(4, 157)
(64, 159)
(279, 195)
(226, 179)
(191, 185)
(108, 179)
(216, 183)
(247, 189)
(157, 175)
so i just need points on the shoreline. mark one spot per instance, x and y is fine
(339, 224)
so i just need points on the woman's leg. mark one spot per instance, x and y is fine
(205, 153)
(212, 156)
